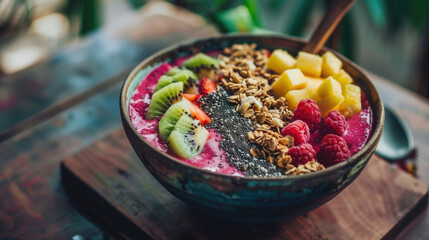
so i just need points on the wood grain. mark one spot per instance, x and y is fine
(109, 181)
(33, 204)
(62, 105)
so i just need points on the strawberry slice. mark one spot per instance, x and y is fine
(198, 113)
(207, 86)
(193, 97)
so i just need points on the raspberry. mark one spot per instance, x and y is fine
(308, 111)
(302, 154)
(333, 150)
(298, 130)
(334, 123)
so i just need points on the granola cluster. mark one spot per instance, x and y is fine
(244, 76)
(274, 147)
(308, 167)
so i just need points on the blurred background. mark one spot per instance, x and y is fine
(73, 44)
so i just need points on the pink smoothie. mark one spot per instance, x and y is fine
(358, 133)
(213, 157)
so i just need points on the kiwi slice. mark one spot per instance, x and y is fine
(163, 99)
(201, 60)
(203, 66)
(189, 80)
(167, 122)
(186, 76)
(173, 71)
(188, 137)
(162, 82)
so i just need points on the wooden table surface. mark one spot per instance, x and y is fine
(57, 121)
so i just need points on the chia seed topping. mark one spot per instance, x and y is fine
(234, 129)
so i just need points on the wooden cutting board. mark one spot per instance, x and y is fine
(111, 186)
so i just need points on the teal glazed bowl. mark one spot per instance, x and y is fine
(250, 199)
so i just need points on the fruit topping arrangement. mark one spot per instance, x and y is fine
(257, 112)
(175, 98)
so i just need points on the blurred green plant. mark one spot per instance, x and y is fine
(17, 15)
(14, 15)
(86, 12)
(387, 16)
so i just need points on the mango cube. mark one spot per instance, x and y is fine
(331, 64)
(329, 87)
(312, 85)
(330, 103)
(293, 97)
(310, 64)
(280, 61)
(343, 77)
(291, 79)
(352, 100)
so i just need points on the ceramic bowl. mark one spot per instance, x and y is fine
(250, 199)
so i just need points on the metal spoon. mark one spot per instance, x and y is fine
(396, 142)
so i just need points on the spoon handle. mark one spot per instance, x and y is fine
(333, 16)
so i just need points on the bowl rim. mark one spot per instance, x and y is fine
(373, 140)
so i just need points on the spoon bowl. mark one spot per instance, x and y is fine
(396, 141)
